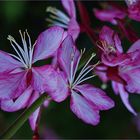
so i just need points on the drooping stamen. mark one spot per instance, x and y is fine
(57, 17)
(24, 54)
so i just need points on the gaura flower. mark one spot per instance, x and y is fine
(121, 68)
(116, 15)
(133, 9)
(69, 21)
(21, 83)
(86, 100)
(111, 14)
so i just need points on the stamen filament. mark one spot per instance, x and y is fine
(25, 47)
(57, 13)
(83, 69)
(83, 80)
(74, 73)
(15, 49)
(53, 23)
(19, 60)
(25, 54)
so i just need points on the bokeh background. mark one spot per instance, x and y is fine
(57, 121)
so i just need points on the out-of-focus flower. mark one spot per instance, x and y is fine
(111, 14)
(22, 80)
(116, 14)
(133, 9)
(121, 68)
(59, 18)
(86, 100)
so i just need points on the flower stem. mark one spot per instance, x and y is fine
(23, 117)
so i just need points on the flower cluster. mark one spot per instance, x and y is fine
(25, 80)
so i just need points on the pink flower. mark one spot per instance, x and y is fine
(86, 100)
(23, 81)
(116, 14)
(121, 68)
(133, 9)
(69, 21)
(110, 15)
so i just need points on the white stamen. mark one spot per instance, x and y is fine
(24, 46)
(85, 70)
(54, 23)
(78, 61)
(11, 39)
(24, 54)
(87, 78)
(57, 17)
(19, 60)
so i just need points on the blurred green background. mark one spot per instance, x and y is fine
(57, 121)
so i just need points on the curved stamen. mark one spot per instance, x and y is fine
(106, 48)
(57, 17)
(25, 54)
(87, 78)
(22, 55)
(85, 70)
(77, 64)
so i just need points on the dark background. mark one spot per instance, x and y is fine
(57, 121)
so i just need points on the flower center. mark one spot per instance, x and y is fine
(82, 76)
(105, 47)
(57, 17)
(25, 53)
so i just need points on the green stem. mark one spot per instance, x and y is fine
(23, 117)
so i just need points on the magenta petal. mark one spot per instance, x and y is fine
(46, 78)
(134, 10)
(7, 63)
(117, 42)
(84, 110)
(109, 15)
(12, 85)
(125, 99)
(47, 43)
(20, 103)
(33, 118)
(96, 96)
(66, 54)
(101, 72)
(107, 35)
(114, 61)
(105, 15)
(132, 77)
(40, 77)
(135, 46)
(115, 87)
(69, 7)
(57, 86)
(73, 28)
